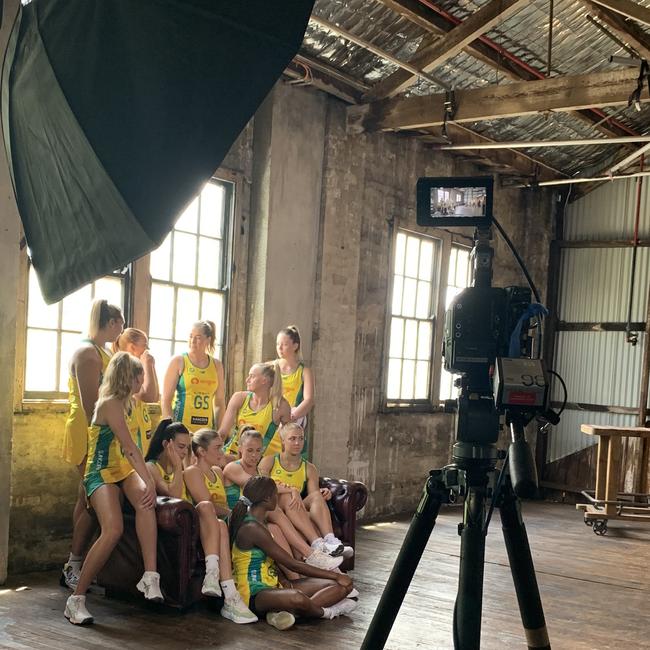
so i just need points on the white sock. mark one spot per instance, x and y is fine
(317, 543)
(331, 538)
(328, 613)
(150, 574)
(229, 589)
(212, 562)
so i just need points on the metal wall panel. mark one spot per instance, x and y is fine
(608, 212)
(566, 438)
(595, 284)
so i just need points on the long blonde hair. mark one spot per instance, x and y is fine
(271, 370)
(209, 330)
(118, 378)
(131, 335)
(100, 315)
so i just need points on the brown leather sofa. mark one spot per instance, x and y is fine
(180, 557)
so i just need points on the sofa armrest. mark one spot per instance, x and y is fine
(175, 516)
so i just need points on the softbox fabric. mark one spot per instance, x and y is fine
(116, 112)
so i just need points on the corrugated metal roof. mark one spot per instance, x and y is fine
(578, 48)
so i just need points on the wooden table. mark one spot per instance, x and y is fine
(608, 478)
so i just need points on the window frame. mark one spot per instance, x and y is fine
(447, 239)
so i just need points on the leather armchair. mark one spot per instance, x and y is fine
(180, 557)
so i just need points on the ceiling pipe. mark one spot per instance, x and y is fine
(547, 143)
(632, 157)
(595, 179)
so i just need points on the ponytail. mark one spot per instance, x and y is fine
(271, 370)
(166, 430)
(100, 315)
(257, 489)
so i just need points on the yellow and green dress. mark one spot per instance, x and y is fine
(138, 422)
(106, 462)
(217, 491)
(168, 477)
(263, 422)
(75, 437)
(253, 570)
(293, 386)
(293, 478)
(233, 492)
(195, 391)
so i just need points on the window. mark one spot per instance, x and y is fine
(53, 332)
(458, 278)
(414, 304)
(190, 274)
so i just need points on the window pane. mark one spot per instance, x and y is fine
(451, 275)
(408, 378)
(212, 210)
(426, 261)
(40, 362)
(462, 268)
(410, 339)
(69, 343)
(394, 374)
(110, 289)
(180, 347)
(162, 353)
(446, 386)
(400, 249)
(161, 259)
(422, 309)
(398, 283)
(188, 221)
(162, 310)
(422, 380)
(184, 264)
(212, 309)
(424, 340)
(76, 310)
(38, 313)
(187, 313)
(412, 257)
(410, 292)
(209, 263)
(396, 337)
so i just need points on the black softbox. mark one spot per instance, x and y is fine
(115, 112)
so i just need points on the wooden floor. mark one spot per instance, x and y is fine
(595, 590)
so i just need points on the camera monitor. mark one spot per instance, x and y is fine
(455, 201)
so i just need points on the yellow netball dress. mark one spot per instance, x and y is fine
(262, 420)
(296, 478)
(216, 489)
(233, 492)
(194, 395)
(293, 386)
(106, 462)
(168, 477)
(75, 437)
(252, 570)
(132, 417)
(144, 424)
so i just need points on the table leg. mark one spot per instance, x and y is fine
(613, 473)
(601, 467)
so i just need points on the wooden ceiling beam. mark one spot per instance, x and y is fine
(454, 41)
(628, 9)
(567, 93)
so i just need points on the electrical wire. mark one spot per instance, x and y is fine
(564, 388)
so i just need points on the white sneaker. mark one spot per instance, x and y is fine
(149, 585)
(334, 546)
(353, 594)
(69, 577)
(281, 620)
(211, 585)
(348, 552)
(344, 606)
(322, 560)
(76, 612)
(235, 610)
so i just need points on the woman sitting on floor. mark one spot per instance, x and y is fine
(115, 465)
(204, 484)
(300, 496)
(236, 475)
(323, 594)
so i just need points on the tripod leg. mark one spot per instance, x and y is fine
(469, 602)
(407, 561)
(523, 571)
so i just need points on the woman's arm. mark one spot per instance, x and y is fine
(219, 401)
(149, 391)
(235, 473)
(305, 407)
(173, 372)
(195, 484)
(283, 413)
(87, 369)
(221, 511)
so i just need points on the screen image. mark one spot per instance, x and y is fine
(458, 201)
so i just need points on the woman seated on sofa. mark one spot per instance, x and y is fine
(299, 494)
(323, 594)
(204, 485)
(236, 475)
(168, 449)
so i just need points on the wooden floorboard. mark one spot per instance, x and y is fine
(595, 592)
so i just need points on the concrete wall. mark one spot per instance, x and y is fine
(322, 206)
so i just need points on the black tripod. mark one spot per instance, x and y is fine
(469, 477)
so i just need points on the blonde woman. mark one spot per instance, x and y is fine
(136, 343)
(261, 406)
(193, 387)
(115, 466)
(87, 365)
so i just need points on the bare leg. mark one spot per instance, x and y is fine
(208, 528)
(299, 517)
(293, 537)
(297, 601)
(225, 563)
(281, 540)
(83, 525)
(146, 527)
(319, 513)
(106, 503)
